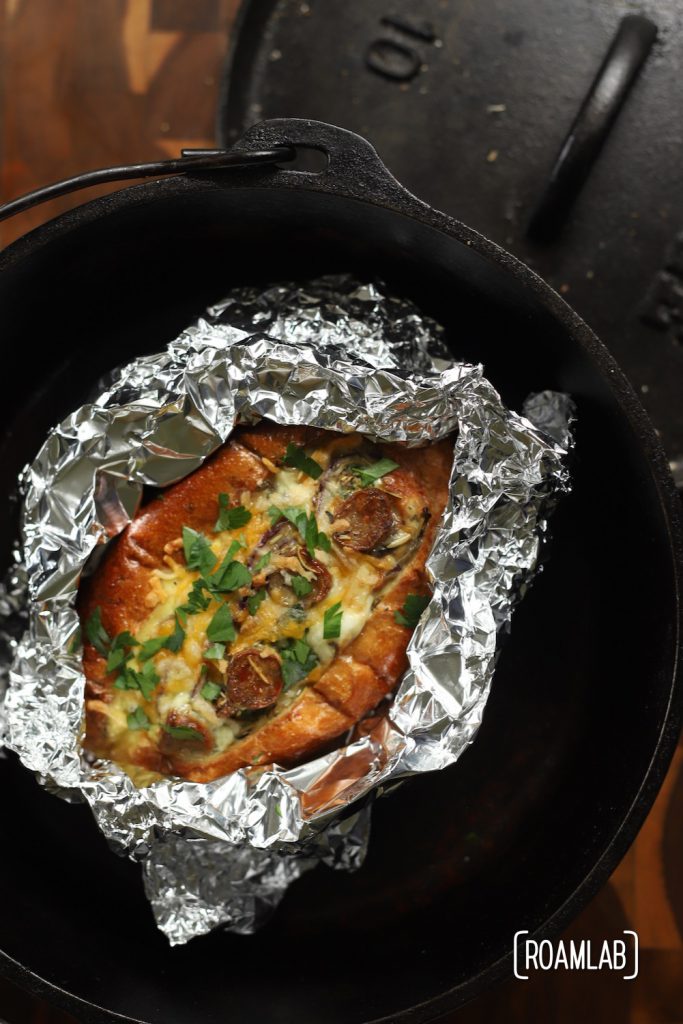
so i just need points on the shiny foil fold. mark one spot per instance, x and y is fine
(331, 353)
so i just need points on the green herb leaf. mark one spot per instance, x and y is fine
(197, 601)
(323, 542)
(173, 642)
(176, 639)
(413, 606)
(221, 628)
(301, 586)
(262, 562)
(228, 576)
(274, 513)
(293, 672)
(298, 659)
(305, 524)
(198, 553)
(210, 691)
(332, 620)
(125, 639)
(215, 652)
(230, 518)
(97, 634)
(369, 474)
(301, 650)
(151, 647)
(126, 680)
(138, 719)
(310, 534)
(235, 545)
(147, 680)
(297, 457)
(182, 732)
(254, 601)
(120, 651)
(117, 658)
(144, 681)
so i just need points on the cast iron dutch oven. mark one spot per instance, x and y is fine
(585, 708)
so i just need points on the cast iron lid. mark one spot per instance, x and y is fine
(469, 106)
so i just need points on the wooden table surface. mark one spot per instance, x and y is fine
(88, 83)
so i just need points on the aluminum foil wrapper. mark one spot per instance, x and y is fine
(332, 353)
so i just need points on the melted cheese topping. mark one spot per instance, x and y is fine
(356, 582)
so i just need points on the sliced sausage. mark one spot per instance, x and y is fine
(199, 739)
(322, 582)
(252, 682)
(370, 517)
(284, 543)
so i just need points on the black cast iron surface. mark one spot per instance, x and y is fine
(585, 707)
(468, 105)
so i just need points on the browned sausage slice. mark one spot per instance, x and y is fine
(252, 682)
(322, 583)
(370, 517)
(185, 732)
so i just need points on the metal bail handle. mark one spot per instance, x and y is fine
(190, 161)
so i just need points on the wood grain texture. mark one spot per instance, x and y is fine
(86, 83)
(89, 84)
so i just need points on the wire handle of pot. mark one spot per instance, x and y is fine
(190, 161)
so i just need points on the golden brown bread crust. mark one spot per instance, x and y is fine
(121, 584)
(362, 674)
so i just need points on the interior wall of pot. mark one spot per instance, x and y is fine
(495, 844)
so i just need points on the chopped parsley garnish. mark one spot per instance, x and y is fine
(235, 545)
(144, 681)
(151, 647)
(176, 639)
(230, 518)
(197, 601)
(254, 601)
(229, 575)
(210, 691)
(198, 553)
(125, 639)
(297, 457)
(126, 680)
(314, 538)
(221, 628)
(173, 642)
(413, 606)
(301, 586)
(138, 719)
(262, 562)
(298, 659)
(369, 474)
(147, 680)
(182, 732)
(215, 652)
(97, 634)
(332, 621)
(306, 525)
(120, 651)
(75, 642)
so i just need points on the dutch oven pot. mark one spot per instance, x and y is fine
(585, 707)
